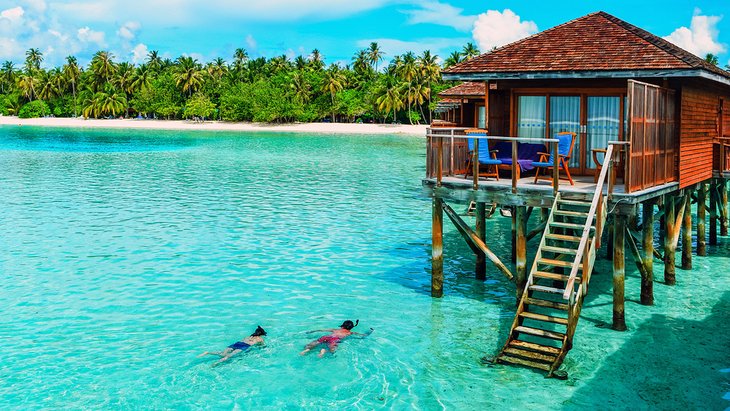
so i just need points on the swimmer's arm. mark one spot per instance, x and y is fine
(361, 335)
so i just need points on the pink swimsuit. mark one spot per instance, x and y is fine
(331, 340)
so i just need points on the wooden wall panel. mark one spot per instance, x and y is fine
(700, 125)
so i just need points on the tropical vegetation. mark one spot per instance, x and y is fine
(279, 89)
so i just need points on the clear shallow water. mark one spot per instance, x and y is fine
(124, 254)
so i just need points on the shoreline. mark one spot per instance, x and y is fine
(326, 128)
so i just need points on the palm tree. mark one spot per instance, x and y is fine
(154, 62)
(712, 59)
(103, 103)
(33, 59)
(453, 59)
(300, 63)
(431, 73)
(360, 63)
(7, 75)
(188, 74)
(301, 87)
(28, 83)
(375, 55)
(103, 69)
(72, 73)
(217, 69)
(142, 78)
(49, 84)
(125, 80)
(390, 97)
(240, 58)
(470, 51)
(316, 60)
(334, 81)
(408, 71)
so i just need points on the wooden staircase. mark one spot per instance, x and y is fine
(548, 311)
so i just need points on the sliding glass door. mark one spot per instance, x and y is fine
(603, 123)
(565, 116)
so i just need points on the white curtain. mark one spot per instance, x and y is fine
(565, 116)
(603, 124)
(481, 117)
(531, 116)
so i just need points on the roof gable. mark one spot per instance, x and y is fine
(466, 89)
(596, 42)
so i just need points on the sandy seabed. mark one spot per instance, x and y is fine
(326, 128)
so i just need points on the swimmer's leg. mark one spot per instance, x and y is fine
(309, 347)
(227, 355)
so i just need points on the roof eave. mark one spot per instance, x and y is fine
(586, 74)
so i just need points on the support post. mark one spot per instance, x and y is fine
(669, 247)
(701, 216)
(722, 186)
(647, 280)
(619, 271)
(437, 248)
(481, 215)
(687, 238)
(544, 214)
(514, 235)
(521, 249)
(609, 243)
(713, 214)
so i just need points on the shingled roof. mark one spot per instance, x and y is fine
(590, 46)
(466, 89)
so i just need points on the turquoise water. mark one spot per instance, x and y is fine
(124, 254)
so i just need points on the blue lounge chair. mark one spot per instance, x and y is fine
(566, 141)
(487, 158)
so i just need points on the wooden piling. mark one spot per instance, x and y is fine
(722, 187)
(619, 272)
(701, 216)
(514, 235)
(687, 238)
(437, 248)
(481, 216)
(669, 247)
(521, 249)
(713, 213)
(544, 214)
(647, 279)
(609, 243)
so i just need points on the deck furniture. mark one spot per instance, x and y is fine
(527, 154)
(486, 157)
(565, 148)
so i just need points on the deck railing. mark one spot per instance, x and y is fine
(722, 163)
(447, 154)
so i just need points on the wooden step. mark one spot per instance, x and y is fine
(540, 333)
(535, 347)
(572, 226)
(561, 237)
(544, 289)
(555, 263)
(530, 355)
(559, 250)
(546, 303)
(575, 203)
(554, 276)
(567, 213)
(543, 317)
(526, 363)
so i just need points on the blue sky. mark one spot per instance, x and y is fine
(215, 28)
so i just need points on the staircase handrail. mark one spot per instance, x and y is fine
(570, 284)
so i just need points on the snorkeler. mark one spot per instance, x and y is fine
(333, 339)
(238, 347)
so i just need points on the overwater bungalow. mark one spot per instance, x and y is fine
(639, 125)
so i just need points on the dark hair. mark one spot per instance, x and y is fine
(259, 332)
(349, 325)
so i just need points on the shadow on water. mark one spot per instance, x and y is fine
(669, 363)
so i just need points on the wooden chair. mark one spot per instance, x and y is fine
(565, 148)
(487, 158)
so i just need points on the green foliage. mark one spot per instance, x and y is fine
(200, 106)
(34, 109)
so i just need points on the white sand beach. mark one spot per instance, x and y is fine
(331, 128)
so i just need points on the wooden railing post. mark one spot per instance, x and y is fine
(451, 154)
(439, 162)
(556, 170)
(514, 166)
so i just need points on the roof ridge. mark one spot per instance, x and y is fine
(664, 45)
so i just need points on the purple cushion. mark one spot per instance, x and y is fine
(526, 153)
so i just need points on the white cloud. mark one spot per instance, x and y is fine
(701, 36)
(9, 48)
(495, 29)
(251, 42)
(435, 12)
(128, 31)
(14, 14)
(139, 53)
(36, 5)
(87, 35)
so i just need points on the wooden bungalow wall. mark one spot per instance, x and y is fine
(700, 126)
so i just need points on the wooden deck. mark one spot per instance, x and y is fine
(540, 194)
